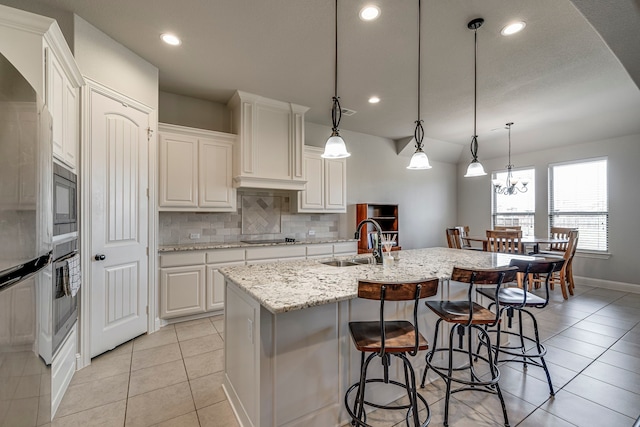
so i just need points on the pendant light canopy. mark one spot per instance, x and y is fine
(419, 160)
(335, 147)
(475, 167)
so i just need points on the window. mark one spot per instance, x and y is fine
(518, 208)
(578, 198)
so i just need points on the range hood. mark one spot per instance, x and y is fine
(269, 152)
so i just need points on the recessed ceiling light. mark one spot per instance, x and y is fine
(171, 39)
(374, 100)
(369, 13)
(513, 28)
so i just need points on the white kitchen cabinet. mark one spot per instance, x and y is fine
(182, 291)
(63, 105)
(271, 136)
(37, 48)
(191, 282)
(326, 188)
(195, 170)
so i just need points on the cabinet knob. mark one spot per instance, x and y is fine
(99, 257)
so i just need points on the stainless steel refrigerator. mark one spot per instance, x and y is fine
(26, 214)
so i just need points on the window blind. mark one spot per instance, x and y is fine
(578, 198)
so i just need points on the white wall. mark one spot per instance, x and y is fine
(474, 202)
(106, 61)
(376, 174)
(193, 112)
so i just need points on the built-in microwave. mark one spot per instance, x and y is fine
(65, 201)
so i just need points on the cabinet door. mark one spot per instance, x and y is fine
(215, 176)
(70, 123)
(215, 286)
(56, 89)
(182, 291)
(178, 171)
(335, 176)
(272, 148)
(312, 197)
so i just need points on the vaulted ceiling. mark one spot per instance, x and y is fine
(571, 76)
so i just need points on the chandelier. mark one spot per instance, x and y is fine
(510, 186)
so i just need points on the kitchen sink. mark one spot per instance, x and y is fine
(349, 263)
(339, 263)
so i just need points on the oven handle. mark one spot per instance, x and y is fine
(15, 275)
(65, 257)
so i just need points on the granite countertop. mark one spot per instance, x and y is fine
(294, 285)
(206, 246)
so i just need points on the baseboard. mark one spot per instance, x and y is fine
(608, 284)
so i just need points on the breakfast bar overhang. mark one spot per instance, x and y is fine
(288, 355)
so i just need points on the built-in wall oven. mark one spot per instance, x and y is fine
(65, 299)
(65, 208)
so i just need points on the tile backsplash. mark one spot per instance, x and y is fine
(260, 215)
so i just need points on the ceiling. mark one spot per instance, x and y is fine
(557, 80)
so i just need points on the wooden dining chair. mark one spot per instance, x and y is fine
(559, 233)
(504, 241)
(453, 238)
(565, 276)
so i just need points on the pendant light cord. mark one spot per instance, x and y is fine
(336, 110)
(418, 134)
(474, 25)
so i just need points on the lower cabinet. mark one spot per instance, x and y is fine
(182, 291)
(191, 282)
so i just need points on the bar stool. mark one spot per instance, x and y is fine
(385, 338)
(466, 316)
(514, 299)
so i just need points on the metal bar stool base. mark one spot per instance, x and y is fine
(357, 411)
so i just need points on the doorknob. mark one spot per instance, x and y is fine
(99, 257)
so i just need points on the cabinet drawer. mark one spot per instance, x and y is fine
(225, 256)
(345, 248)
(275, 252)
(320, 249)
(177, 259)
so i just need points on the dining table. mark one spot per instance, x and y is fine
(532, 241)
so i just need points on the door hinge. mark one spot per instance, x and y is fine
(147, 193)
(149, 133)
(147, 309)
(147, 250)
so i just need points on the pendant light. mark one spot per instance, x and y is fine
(419, 160)
(335, 147)
(475, 167)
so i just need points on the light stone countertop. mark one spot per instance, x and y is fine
(294, 285)
(207, 246)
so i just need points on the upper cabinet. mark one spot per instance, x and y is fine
(326, 188)
(270, 141)
(195, 170)
(37, 48)
(63, 104)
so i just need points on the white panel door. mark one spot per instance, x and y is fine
(119, 175)
(182, 291)
(178, 171)
(313, 193)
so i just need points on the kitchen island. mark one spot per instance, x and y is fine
(288, 354)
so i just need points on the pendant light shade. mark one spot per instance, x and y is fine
(419, 160)
(475, 167)
(335, 148)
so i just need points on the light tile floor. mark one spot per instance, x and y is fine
(173, 377)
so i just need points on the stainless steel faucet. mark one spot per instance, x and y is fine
(377, 251)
